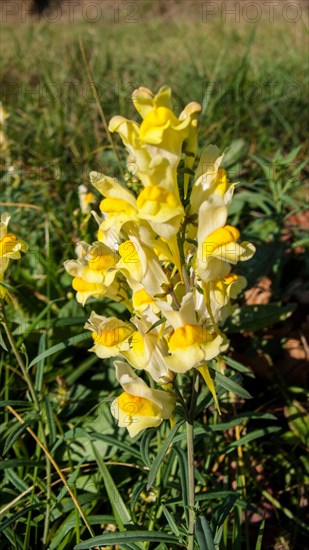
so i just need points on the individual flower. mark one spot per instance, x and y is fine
(158, 205)
(161, 134)
(110, 335)
(10, 245)
(210, 179)
(148, 349)
(217, 242)
(86, 198)
(139, 264)
(118, 205)
(162, 209)
(189, 343)
(219, 293)
(94, 271)
(139, 406)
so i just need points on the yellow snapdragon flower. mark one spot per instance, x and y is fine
(217, 242)
(94, 271)
(110, 335)
(139, 406)
(189, 343)
(10, 249)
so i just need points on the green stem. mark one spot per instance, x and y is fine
(191, 485)
(190, 451)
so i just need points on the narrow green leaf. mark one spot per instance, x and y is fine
(111, 440)
(40, 366)
(234, 152)
(35, 323)
(258, 317)
(2, 343)
(14, 462)
(298, 421)
(224, 509)
(171, 521)
(159, 458)
(15, 434)
(121, 513)
(230, 385)
(71, 480)
(16, 481)
(256, 434)
(126, 537)
(237, 366)
(15, 403)
(81, 369)
(20, 514)
(203, 534)
(156, 324)
(259, 540)
(239, 419)
(70, 523)
(50, 420)
(183, 474)
(14, 539)
(144, 446)
(59, 347)
(65, 527)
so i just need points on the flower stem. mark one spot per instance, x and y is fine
(191, 484)
(190, 451)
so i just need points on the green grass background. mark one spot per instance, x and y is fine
(252, 81)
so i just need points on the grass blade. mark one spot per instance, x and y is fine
(59, 347)
(121, 513)
(159, 458)
(126, 537)
(203, 534)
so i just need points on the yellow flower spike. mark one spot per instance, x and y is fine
(143, 262)
(204, 370)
